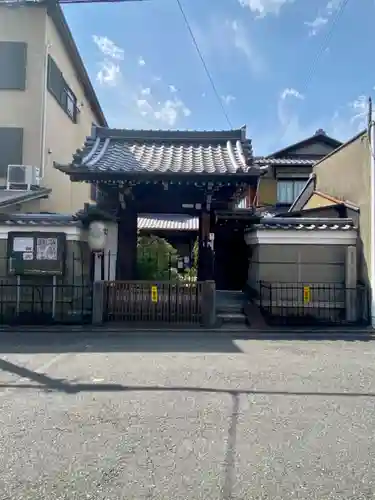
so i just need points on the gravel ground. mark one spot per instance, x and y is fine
(186, 418)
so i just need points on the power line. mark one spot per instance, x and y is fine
(221, 104)
(323, 47)
(325, 43)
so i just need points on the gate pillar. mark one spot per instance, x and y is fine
(126, 266)
(205, 254)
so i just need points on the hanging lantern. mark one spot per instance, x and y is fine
(97, 236)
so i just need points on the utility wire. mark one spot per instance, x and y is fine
(322, 48)
(209, 76)
(326, 41)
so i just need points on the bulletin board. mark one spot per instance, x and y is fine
(36, 253)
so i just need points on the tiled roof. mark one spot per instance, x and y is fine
(262, 160)
(13, 196)
(38, 219)
(154, 151)
(305, 224)
(168, 222)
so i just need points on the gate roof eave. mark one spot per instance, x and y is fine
(121, 155)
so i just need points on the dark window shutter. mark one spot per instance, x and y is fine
(60, 90)
(11, 148)
(55, 80)
(13, 61)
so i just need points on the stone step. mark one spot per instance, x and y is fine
(229, 307)
(232, 318)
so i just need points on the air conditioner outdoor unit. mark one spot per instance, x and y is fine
(22, 177)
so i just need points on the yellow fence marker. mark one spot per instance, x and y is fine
(154, 293)
(306, 294)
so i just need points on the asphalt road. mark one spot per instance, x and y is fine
(186, 418)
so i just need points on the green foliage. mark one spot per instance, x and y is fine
(156, 259)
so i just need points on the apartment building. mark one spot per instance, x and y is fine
(48, 107)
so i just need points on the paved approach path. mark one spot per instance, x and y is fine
(186, 418)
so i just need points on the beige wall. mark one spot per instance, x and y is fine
(63, 137)
(24, 108)
(267, 191)
(317, 201)
(346, 175)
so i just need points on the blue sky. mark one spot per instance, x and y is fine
(271, 61)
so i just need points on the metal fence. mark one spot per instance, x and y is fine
(147, 301)
(313, 304)
(44, 299)
(39, 304)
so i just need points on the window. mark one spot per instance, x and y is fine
(13, 65)
(288, 190)
(61, 91)
(71, 103)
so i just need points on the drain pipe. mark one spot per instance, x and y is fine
(371, 136)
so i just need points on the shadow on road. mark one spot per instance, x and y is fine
(43, 381)
(64, 343)
(166, 342)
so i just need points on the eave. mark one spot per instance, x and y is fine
(79, 174)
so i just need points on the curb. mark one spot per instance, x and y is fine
(247, 333)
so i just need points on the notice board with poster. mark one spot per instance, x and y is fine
(36, 253)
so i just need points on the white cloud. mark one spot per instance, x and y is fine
(167, 113)
(170, 111)
(351, 118)
(359, 108)
(144, 107)
(323, 17)
(109, 74)
(227, 99)
(138, 103)
(287, 113)
(108, 48)
(315, 25)
(242, 43)
(291, 92)
(262, 8)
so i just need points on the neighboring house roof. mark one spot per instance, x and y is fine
(9, 197)
(309, 191)
(296, 161)
(169, 222)
(305, 224)
(319, 135)
(55, 12)
(39, 219)
(305, 194)
(343, 146)
(115, 151)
